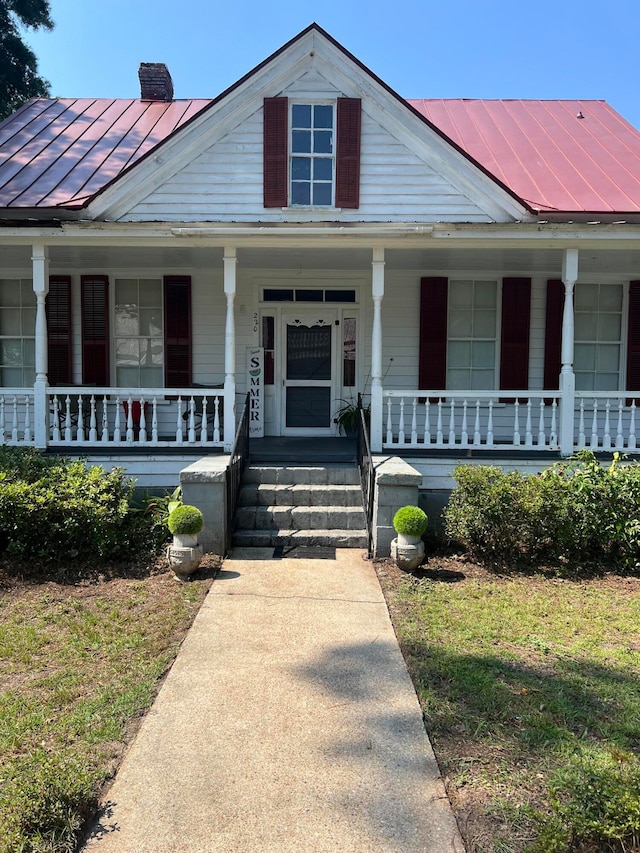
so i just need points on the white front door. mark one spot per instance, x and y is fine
(310, 372)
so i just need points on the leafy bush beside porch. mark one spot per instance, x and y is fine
(578, 511)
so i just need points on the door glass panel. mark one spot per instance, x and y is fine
(308, 407)
(308, 352)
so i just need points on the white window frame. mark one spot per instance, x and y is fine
(622, 342)
(497, 280)
(21, 337)
(116, 337)
(312, 156)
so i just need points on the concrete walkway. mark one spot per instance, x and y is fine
(287, 723)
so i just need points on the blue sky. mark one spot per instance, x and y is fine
(432, 48)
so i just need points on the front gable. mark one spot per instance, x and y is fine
(212, 169)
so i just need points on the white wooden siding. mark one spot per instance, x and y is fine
(225, 184)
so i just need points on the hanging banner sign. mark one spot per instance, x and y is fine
(255, 386)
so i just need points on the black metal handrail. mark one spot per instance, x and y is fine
(237, 463)
(367, 471)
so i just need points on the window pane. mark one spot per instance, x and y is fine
(300, 193)
(323, 115)
(460, 324)
(460, 294)
(611, 297)
(26, 289)
(606, 382)
(459, 355)
(585, 357)
(301, 115)
(128, 377)
(586, 326)
(322, 194)
(301, 169)
(10, 321)
(28, 376)
(608, 358)
(609, 327)
(482, 380)
(126, 320)
(457, 380)
(151, 377)
(12, 377)
(126, 291)
(9, 292)
(150, 321)
(322, 169)
(28, 321)
(151, 293)
(150, 352)
(11, 352)
(127, 353)
(486, 294)
(586, 297)
(483, 354)
(29, 352)
(584, 381)
(484, 324)
(323, 141)
(301, 141)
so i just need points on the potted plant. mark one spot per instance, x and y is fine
(347, 417)
(409, 522)
(185, 522)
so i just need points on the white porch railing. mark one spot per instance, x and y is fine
(606, 420)
(16, 416)
(502, 420)
(144, 417)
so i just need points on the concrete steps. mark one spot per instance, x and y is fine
(317, 505)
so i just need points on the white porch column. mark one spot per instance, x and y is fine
(567, 376)
(40, 273)
(377, 292)
(230, 261)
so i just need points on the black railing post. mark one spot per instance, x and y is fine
(367, 472)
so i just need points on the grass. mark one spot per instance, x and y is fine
(523, 681)
(78, 666)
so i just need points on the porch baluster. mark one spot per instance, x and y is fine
(216, 418)
(542, 438)
(117, 437)
(14, 430)
(2, 427)
(632, 427)
(594, 425)
(619, 434)
(464, 435)
(93, 423)
(27, 420)
(553, 435)
(203, 424)
(581, 436)
(192, 421)
(130, 435)
(142, 431)
(389, 427)
(439, 437)
(606, 441)
(56, 418)
(80, 432)
(401, 422)
(179, 422)
(67, 420)
(427, 422)
(490, 425)
(516, 423)
(154, 420)
(452, 422)
(477, 438)
(105, 420)
(414, 422)
(528, 434)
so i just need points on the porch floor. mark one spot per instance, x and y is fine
(302, 450)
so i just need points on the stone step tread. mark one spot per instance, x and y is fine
(266, 517)
(302, 475)
(265, 538)
(295, 494)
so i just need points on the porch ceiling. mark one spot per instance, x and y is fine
(70, 258)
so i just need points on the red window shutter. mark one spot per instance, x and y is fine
(95, 329)
(177, 331)
(516, 320)
(434, 293)
(275, 151)
(58, 310)
(348, 153)
(553, 333)
(633, 338)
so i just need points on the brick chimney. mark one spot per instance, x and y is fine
(155, 82)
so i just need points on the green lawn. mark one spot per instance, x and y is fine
(530, 690)
(78, 666)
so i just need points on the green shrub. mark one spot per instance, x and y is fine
(25, 463)
(185, 519)
(70, 512)
(410, 521)
(576, 510)
(595, 805)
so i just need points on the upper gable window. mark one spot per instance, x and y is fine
(312, 155)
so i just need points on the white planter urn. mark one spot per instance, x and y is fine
(184, 555)
(407, 551)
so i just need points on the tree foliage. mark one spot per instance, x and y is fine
(19, 79)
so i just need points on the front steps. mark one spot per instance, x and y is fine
(318, 505)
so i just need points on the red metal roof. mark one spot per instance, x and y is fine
(58, 153)
(569, 156)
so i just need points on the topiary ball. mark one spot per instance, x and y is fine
(185, 519)
(410, 521)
